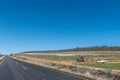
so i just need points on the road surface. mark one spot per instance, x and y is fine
(11, 69)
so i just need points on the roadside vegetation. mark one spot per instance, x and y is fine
(91, 55)
(112, 58)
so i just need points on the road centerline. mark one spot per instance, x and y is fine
(24, 68)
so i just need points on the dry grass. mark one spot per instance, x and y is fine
(31, 58)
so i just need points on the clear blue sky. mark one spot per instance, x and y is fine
(58, 24)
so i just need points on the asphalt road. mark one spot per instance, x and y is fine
(11, 69)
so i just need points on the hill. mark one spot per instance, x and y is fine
(94, 48)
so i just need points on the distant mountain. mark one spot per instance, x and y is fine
(94, 48)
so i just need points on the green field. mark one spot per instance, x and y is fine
(115, 66)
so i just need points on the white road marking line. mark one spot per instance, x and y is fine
(24, 68)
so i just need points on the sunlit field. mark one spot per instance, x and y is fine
(112, 58)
